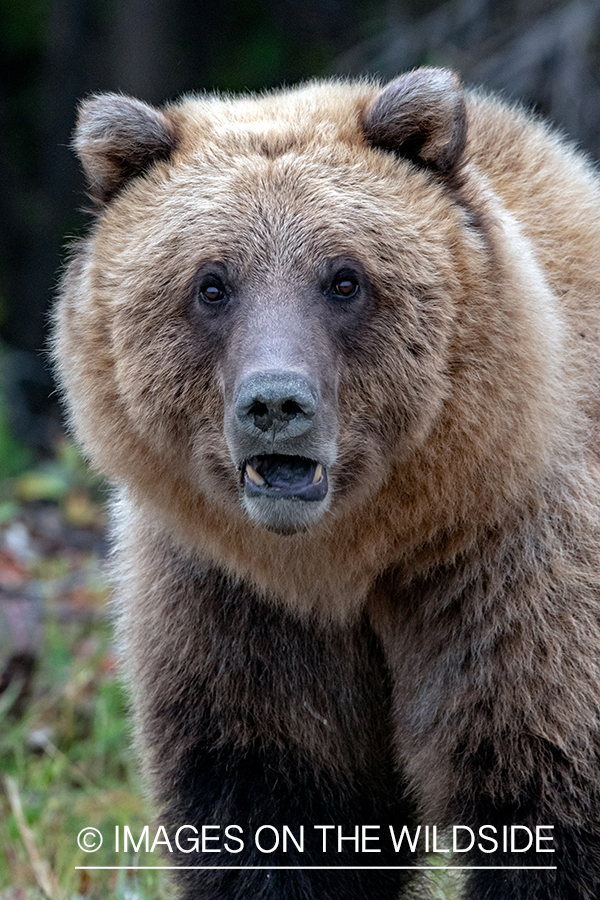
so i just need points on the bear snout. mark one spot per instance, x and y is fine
(277, 403)
(281, 436)
(279, 411)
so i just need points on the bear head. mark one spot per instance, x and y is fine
(271, 317)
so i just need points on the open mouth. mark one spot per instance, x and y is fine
(284, 477)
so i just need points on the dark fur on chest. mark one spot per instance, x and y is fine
(260, 717)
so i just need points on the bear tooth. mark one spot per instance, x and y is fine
(318, 473)
(254, 476)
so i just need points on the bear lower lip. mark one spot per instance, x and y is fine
(285, 477)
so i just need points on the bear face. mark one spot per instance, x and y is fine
(242, 297)
(227, 314)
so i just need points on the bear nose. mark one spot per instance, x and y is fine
(276, 401)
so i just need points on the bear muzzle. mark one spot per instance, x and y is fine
(280, 438)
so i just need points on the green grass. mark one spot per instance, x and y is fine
(67, 762)
(69, 765)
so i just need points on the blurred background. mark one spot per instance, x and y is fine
(64, 745)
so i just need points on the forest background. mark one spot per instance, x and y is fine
(65, 759)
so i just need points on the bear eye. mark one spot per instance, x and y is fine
(345, 286)
(211, 290)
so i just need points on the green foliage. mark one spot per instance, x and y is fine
(58, 479)
(71, 761)
(66, 761)
(23, 24)
(256, 50)
(14, 456)
(65, 480)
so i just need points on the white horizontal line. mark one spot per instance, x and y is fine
(341, 868)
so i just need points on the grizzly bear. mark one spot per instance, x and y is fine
(337, 347)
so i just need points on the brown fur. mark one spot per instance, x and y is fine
(464, 523)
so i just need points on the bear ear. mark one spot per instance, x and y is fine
(117, 138)
(421, 116)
